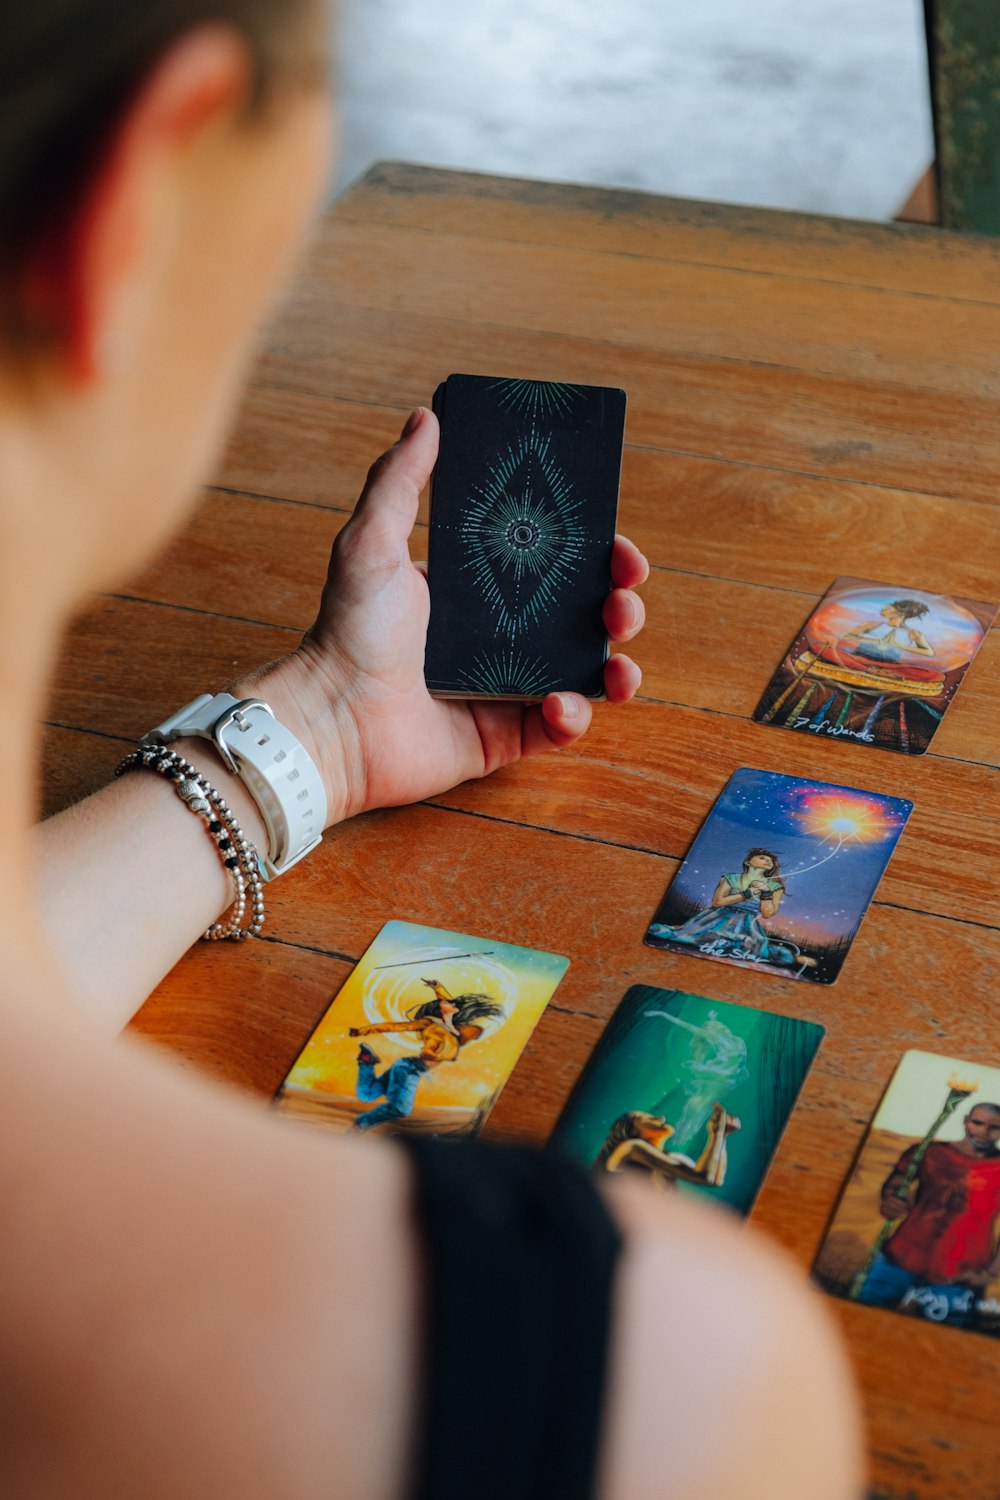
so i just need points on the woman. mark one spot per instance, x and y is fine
(444, 1026)
(197, 1298)
(879, 638)
(731, 927)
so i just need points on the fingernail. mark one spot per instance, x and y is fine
(633, 614)
(413, 421)
(568, 706)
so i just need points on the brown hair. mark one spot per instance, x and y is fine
(910, 609)
(67, 69)
(769, 854)
(626, 1128)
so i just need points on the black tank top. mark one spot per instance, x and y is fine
(519, 1254)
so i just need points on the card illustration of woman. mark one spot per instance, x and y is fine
(876, 665)
(732, 924)
(445, 1025)
(441, 1018)
(779, 875)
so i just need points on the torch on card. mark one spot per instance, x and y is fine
(423, 1034)
(916, 1227)
(780, 875)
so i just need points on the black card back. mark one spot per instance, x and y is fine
(523, 506)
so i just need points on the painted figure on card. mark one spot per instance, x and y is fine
(732, 927)
(886, 638)
(876, 665)
(444, 1026)
(637, 1140)
(944, 1252)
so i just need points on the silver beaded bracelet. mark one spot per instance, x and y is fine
(238, 854)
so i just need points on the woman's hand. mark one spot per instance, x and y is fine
(354, 691)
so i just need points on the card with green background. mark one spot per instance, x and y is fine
(691, 1092)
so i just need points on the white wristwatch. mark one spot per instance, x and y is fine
(276, 769)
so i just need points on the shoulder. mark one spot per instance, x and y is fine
(734, 878)
(944, 1154)
(784, 1374)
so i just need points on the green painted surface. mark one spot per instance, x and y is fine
(751, 1061)
(964, 50)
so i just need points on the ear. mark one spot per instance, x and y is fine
(86, 281)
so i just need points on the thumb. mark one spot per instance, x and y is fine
(387, 507)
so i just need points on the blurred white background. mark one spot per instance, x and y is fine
(819, 105)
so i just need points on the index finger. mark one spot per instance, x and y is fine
(629, 567)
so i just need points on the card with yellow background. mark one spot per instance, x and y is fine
(423, 1035)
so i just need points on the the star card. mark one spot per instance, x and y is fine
(688, 1092)
(780, 875)
(523, 505)
(423, 1034)
(876, 665)
(916, 1229)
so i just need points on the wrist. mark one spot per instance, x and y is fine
(295, 691)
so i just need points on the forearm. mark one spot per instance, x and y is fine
(129, 879)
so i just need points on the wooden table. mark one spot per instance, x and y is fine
(807, 397)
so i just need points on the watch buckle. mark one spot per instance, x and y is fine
(235, 715)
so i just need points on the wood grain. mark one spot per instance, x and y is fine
(807, 398)
(677, 229)
(811, 422)
(691, 513)
(688, 652)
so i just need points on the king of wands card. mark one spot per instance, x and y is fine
(423, 1035)
(916, 1230)
(780, 875)
(876, 665)
(690, 1093)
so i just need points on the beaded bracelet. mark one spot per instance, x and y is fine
(238, 854)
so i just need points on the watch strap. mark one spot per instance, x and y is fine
(276, 768)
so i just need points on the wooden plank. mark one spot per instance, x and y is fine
(644, 777)
(632, 224)
(705, 516)
(932, 441)
(877, 335)
(709, 643)
(127, 665)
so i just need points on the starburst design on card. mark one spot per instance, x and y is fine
(523, 534)
(537, 398)
(507, 674)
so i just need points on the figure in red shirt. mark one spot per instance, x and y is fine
(945, 1251)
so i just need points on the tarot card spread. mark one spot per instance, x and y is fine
(423, 1035)
(916, 1228)
(523, 507)
(692, 1093)
(780, 875)
(876, 665)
